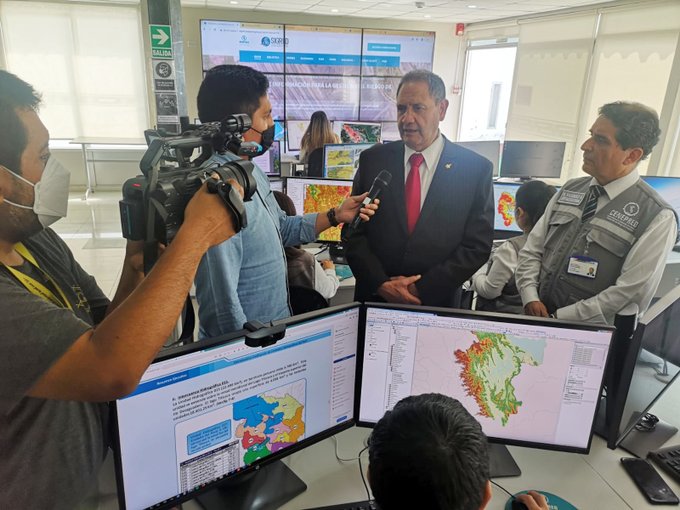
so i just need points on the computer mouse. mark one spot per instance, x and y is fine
(518, 505)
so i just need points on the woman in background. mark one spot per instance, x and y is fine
(495, 283)
(318, 133)
(303, 268)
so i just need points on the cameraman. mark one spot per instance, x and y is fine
(58, 371)
(245, 279)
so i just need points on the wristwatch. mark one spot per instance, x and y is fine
(331, 217)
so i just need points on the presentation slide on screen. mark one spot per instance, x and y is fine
(201, 416)
(379, 98)
(522, 382)
(258, 45)
(395, 53)
(338, 96)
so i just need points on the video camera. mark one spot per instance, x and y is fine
(152, 208)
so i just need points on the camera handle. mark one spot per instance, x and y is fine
(232, 200)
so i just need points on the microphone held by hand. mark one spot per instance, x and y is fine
(379, 183)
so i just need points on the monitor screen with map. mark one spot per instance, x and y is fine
(504, 207)
(341, 161)
(528, 382)
(213, 410)
(317, 196)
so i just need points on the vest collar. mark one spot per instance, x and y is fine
(615, 188)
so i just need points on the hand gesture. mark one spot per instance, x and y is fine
(349, 208)
(396, 290)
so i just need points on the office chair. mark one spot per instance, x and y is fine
(315, 163)
(304, 299)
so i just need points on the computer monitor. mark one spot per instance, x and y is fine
(667, 187)
(317, 196)
(341, 160)
(279, 130)
(529, 382)
(214, 410)
(532, 159)
(504, 223)
(654, 364)
(358, 132)
(294, 131)
(270, 161)
(276, 185)
(490, 149)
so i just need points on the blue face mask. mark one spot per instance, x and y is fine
(50, 193)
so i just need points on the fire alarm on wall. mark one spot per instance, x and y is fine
(460, 28)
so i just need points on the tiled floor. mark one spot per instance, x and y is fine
(92, 231)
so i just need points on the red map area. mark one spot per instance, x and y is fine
(251, 439)
(470, 359)
(506, 208)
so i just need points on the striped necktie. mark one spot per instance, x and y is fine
(591, 205)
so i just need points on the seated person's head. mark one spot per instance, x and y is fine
(232, 89)
(285, 203)
(429, 452)
(318, 133)
(531, 200)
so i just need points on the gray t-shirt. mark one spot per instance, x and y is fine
(51, 449)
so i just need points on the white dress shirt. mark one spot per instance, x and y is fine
(326, 282)
(640, 274)
(428, 167)
(490, 284)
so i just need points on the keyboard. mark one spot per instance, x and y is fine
(668, 459)
(357, 505)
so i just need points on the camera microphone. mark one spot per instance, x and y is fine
(381, 181)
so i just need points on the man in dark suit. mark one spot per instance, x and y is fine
(435, 225)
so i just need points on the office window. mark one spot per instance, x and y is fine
(87, 61)
(486, 95)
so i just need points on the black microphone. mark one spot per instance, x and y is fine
(381, 181)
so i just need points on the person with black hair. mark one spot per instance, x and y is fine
(495, 283)
(303, 268)
(601, 245)
(66, 349)
(245, 279)
(429, 452)
(318, 133)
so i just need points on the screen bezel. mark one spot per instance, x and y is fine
(255, 466)
(511, 318)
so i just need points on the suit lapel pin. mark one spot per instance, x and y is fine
(448, 166)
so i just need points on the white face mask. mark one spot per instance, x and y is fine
(50, 201)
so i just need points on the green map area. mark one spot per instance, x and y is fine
(489, 366)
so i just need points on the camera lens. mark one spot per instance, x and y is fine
(242, 172)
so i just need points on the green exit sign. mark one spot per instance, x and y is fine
(161, 41)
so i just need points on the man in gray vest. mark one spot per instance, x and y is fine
(603, 240)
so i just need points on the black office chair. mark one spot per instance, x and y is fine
(304, 299)
(315, 163)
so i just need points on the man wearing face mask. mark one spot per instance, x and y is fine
(67, 350)
(245, 279)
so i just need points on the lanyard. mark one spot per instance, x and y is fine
(34, 286)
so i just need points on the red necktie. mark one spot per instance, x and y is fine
(412, 191)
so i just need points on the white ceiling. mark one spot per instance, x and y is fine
(444, 11)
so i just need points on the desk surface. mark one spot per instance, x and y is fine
(594, 481)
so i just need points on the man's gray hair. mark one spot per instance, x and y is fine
(434, 83)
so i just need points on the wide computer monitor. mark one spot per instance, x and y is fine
(341, 160)
(358, 132)
(270, 161)
(294, 131)
(504, 223)
(523, 159)
(318, 196)
(529, 382)
(653, 365)
(207, 413)
(490, 149)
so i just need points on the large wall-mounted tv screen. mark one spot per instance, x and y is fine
(257, 45)
(396, 52)
(323, 50)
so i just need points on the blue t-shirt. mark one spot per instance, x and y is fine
(244, 278)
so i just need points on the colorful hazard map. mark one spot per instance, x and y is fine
(506, 208)
(321, 199)
(270, 421)
(489, 366)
